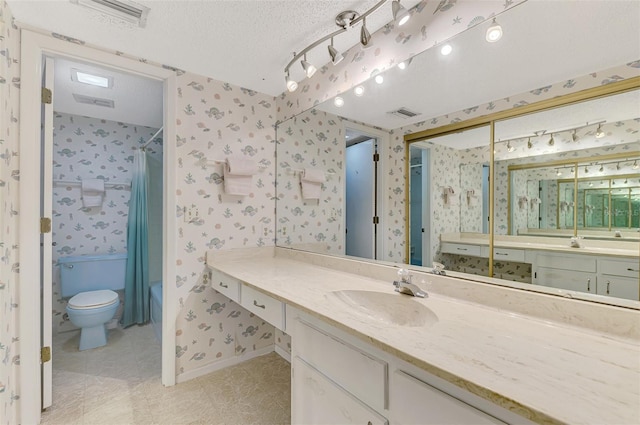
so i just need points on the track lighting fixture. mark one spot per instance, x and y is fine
(400, 14)
(308, 68)
(618, 166)
(558, 172)
(601, 169)
(586, 170)
(336, 56)
(379, 79)
(358, 91)
(365, 36)
(599, 132)
(626, 181)
(509, 147)
(338, 101)
(635, 165)
(292, 85)
(529, 144)
(446, 49)
(574, 136)
(494, 32)
(551, 141)
(405, 64)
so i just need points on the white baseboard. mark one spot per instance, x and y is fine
(212, 367)
(283, 353)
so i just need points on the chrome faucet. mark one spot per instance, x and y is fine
(438, 268)
(404, 285)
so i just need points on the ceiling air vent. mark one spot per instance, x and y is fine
(123, 9)
(90, 100)
(403, 113)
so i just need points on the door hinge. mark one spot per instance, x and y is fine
(45, 225)
(45, 354)
(376, 157)
(376, 220)
(47, 96)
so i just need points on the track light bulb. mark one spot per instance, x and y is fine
(365, 36)
(446, 49)
(336, 56)
(338, 101)
(292, 85)
(494, 32)
(309, 69)
(400, 14)
(599, 132)
(358, 91)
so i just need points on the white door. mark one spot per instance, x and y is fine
(360, 192)
(46, 238)
(426, 209)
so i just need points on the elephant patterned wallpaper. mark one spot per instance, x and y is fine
(9, 216)
(84, 148)
(316, 140)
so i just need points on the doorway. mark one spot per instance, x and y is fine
(361, 194)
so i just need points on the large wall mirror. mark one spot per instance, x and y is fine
(470, 194)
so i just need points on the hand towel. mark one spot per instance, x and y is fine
(450, 197)
(472, 198)
(238, 176)
(92, 192)
(534, 202)
(311, 183)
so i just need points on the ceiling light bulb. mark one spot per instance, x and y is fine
(635, 165)
(365, 36)
(446, 49)
(400, 14)
(379, 79)
(599, 132)
(336, 56)
(309, 69)
(551, 142)
(292, 85)
(338, 101)
(494, 32)
(574, 136)
(509, 147)
(529, 144)
(358, 91)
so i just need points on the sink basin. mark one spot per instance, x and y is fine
(391, 308)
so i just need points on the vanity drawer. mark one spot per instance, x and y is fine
(263, 306)
(360, 373)
(505, 254)
(460, 249)
(226, 285)
(624, 268)
(583, 263)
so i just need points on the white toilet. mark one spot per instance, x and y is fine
(90, 281)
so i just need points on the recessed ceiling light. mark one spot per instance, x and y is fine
(358, 91)
(446, 49)
(92, 79)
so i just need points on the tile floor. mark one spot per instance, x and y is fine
(120, 384)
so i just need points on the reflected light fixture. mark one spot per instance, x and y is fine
(358, 91)
(494, 32)
(551, 142)
(446, 49)
(635, 165)
(336, 56)
(558, 172)
(574, 136)
(509, 147)
(599, 132)
(586, 170)
(529, 144)
(405, 64)
(338, 101)
(309, 69)
(618, 166)
(601, 169)
(292, 85)
(365, 36)
(626, 181)
(379, 79)
(400, 14)
(590, 184)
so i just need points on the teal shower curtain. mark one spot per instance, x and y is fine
(136, 290)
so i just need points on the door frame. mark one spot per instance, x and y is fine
(33, 47)
(382, 140)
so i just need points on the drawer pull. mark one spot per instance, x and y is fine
(632, 270)
(223, 285)
(608, 283)
(589, 285)
(502, 253)
(258, 305)
(461, 249)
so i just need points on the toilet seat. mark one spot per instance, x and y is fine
(93, 299)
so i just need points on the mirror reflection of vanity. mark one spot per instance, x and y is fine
(517, 232)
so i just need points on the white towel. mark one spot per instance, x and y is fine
(472, 198)
(92, 192)
(238, 184)
(450, 197)
(242, 166)
(311, 183)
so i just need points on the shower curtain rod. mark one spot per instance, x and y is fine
(151, 139)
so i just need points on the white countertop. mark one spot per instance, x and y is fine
(548, 372)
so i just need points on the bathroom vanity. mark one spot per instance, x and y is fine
(469, 353)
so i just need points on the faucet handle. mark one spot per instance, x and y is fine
(404, 275)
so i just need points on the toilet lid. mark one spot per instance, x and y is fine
(92, 299)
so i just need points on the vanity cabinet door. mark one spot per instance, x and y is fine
(571, 280)
(619, 287)
(315, 399)
(413, 401)
(226, 285)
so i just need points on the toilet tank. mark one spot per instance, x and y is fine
(91, 272)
